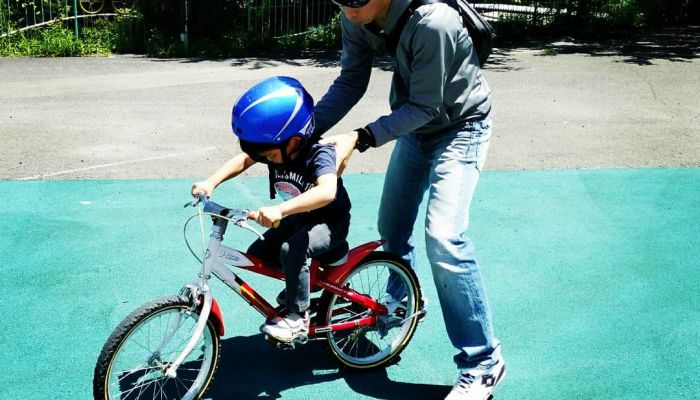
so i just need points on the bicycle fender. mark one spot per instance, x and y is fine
(216, 318)
(355, 255)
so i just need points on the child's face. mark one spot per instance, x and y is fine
(273, 156)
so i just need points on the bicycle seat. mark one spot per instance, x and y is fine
(335, 256)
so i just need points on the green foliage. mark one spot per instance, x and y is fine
(55, 41)
(325, 37)
(103, 37)
(317, 37)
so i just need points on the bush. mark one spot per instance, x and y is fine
(55, 41)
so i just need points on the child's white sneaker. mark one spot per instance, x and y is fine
(287, 328)
(477, 383)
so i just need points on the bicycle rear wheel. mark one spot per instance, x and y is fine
(132, 363)
(381, 276)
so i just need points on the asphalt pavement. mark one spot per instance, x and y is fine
(556, 105)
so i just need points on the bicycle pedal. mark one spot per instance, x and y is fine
(301, 339)
(285, 345)
(279, 344)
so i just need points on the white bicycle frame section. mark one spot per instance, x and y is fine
(216, 256)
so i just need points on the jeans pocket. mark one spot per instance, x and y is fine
(470, 146)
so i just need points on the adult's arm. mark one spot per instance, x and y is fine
(349, 87)
(433, 45)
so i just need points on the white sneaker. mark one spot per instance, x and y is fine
(287, 328)
(477, 383)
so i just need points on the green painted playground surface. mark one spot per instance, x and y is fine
(593, 277)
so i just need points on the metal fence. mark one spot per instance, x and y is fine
(293, 17)
(18, 14)
(543, 12)
(268, 17)
(288, 17)
(21, 15)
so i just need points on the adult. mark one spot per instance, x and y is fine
(441, 122)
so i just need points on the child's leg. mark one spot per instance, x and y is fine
(269, 249)
(308, 242)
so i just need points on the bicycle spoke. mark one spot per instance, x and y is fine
(374, 344)
(140, 387)
(131, 372)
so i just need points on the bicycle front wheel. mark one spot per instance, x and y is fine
(133, 362)
(387, 279)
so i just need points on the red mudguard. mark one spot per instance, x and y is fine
(216, 318)
(355, 255)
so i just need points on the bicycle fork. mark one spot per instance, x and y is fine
(196, 291)
(171, 370)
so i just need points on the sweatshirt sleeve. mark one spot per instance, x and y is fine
(432, 47)
(351, 84)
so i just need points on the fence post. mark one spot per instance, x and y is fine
(75, 17)
(184, 21)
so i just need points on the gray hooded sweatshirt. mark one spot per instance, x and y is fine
(437, 83)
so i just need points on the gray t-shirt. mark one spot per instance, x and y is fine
(437, 83)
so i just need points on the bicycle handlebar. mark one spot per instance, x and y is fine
(238, 216)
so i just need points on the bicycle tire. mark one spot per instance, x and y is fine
(330, 304)
(119, 344)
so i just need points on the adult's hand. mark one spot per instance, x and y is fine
(344, 146)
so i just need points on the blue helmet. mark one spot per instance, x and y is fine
(273, 111)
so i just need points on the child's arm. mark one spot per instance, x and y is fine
(318, 196)
(230, 169)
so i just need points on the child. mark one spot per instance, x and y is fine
(274, 122)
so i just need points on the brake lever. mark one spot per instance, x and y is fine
(196, 200)
(245, 225)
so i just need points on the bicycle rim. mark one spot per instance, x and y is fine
(368, 347)
(138, 365)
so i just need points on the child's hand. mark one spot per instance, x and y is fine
(269, 217)
(202, 187)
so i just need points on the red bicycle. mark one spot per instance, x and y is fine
(170, 347)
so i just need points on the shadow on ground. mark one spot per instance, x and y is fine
(681, 44)
(252, 369)
(640, 48)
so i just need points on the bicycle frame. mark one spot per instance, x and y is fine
(216, 258)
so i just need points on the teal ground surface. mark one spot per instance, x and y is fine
(593, 277)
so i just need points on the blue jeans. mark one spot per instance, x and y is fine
(447, 165)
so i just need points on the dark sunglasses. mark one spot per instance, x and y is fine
(351, 3)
